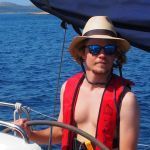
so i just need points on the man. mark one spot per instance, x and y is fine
(96, 101)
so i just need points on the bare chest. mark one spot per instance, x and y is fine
(87, 107)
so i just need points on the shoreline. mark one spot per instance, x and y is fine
(34, 13)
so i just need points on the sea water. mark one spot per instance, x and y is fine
(31, 48)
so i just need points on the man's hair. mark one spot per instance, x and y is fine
(121, 57)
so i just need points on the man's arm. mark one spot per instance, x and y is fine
(42, 136)
(129, 122)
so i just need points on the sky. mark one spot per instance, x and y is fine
(21, 2)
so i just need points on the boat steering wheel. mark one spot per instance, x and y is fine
(69, 127)
(58, 124)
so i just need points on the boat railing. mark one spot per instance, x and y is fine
(18, 109)
(15, 128)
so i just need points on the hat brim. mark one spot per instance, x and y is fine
(123, 45)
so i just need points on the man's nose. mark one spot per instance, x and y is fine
(101, 53)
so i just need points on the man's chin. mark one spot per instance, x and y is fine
(100, 72)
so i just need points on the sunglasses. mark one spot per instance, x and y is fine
(109, 49)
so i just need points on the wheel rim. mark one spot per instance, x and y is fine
(71, 128)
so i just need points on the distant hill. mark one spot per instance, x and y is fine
(7, 7)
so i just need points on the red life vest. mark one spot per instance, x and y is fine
(107, 117)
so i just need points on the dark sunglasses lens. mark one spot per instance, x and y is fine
(94, 49)
(110, 49)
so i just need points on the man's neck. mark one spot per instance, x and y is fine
(94, 79)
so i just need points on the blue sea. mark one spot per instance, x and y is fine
(30, 58)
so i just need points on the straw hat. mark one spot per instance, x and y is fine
(99, 27)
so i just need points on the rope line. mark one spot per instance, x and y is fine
(37, 112)
(59, 73)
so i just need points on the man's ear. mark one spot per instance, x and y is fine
(83, 57)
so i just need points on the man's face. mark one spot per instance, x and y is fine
(100, 63)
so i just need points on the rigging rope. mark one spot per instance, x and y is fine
(37, 112)
(63, 25)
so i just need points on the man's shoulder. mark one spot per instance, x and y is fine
(72, 80)
(129, 95)
(75, 76)
(129, 99)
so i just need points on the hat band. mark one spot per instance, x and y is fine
(100, 32)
